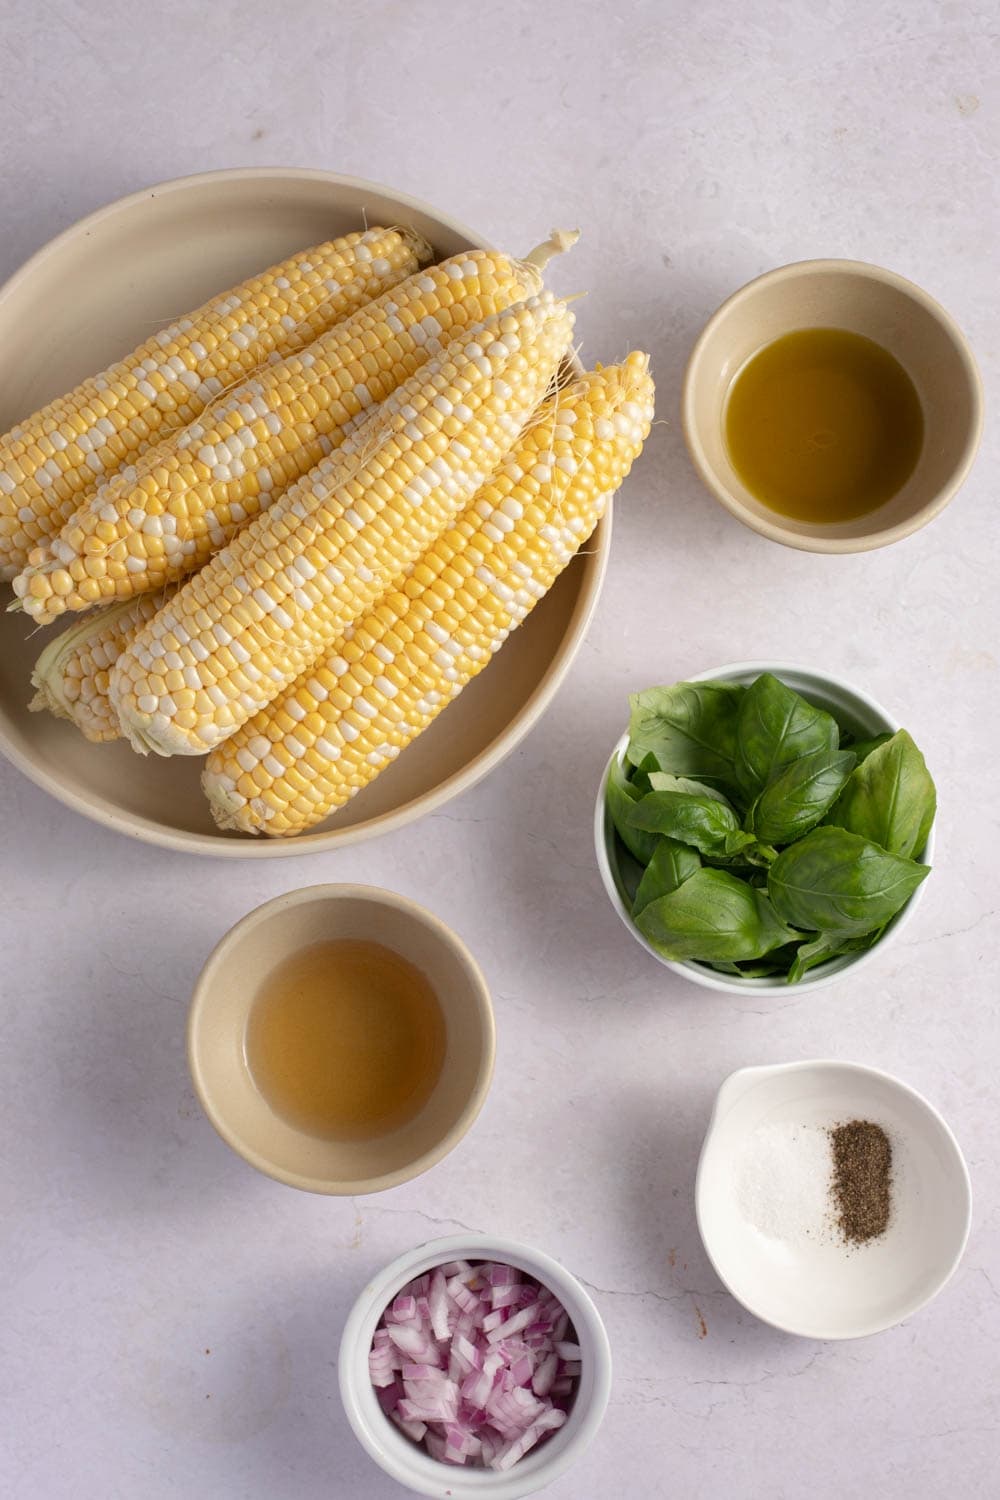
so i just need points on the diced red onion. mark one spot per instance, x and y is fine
(413, 1430)
(504, 1330)
(518, 1447)
(503, 1296)
(415, 1343)
(437, 1305)
(477, 1363)
(545, 1374)
(568, 1350)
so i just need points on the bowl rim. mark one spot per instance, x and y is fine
(591, 574)
(403, 1460)
(200, 1009)
(875, 1325)
(825, 539)
(824, 974)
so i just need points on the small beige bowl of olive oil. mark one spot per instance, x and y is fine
(341, 1039)
(832, 406)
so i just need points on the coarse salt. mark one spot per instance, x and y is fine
(783, 1182)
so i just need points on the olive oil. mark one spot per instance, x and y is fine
(345, 1040)
(823, 425)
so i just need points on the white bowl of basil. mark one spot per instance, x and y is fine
(762, 825)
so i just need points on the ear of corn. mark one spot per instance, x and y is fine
(52, 461)
(290, 583)
(163, 517)
(348, 715)
(71, 675)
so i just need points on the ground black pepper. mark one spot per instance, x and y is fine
(862, 1179)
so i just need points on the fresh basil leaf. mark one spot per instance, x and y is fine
(775, 962)
(776, 726)
(796, 799)
(627, 873)
(750, 861)
(713, 917)
(690, 728)
(863, 748)
(672, 863)
(640, 775)
(620, 796)
(711, 826)
(836, 881)
(825, 946)
(828, 945)
(664, 781)
(890, 798)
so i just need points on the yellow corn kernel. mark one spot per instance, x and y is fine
(51, 462)
(297, 608)
(228, 475)
(71, 675)
(520, 531)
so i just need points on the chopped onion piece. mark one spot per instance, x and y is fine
(476, 1363)
(568, 1350)
(437, 1302)
(413, 1430)
(545, 1373)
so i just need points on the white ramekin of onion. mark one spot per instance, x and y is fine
(474, 1367)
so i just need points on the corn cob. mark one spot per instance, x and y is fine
(264, 608)
(72, 673)
(162, 518)
(350, 714)
(52, 461)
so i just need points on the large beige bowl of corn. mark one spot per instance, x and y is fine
(100, 289)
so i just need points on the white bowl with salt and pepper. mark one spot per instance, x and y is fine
(768, 1215)
(407, 1462)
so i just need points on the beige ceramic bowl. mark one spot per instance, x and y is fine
(226, 990)
(90, 296)
(862, 299)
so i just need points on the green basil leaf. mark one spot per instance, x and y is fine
(627, 873)
(664, 781)
(890, 798)
(863, 748)
(640, 775)
(776, 726)
(796, 799)
(711, 826)
(672, 863)
(829, 945)
(835, 881)
(620, 796)
(713, 917)
(690, 728)
(760, 855)
(777, 961)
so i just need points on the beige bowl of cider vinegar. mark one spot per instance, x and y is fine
(341, 1039)
(872, 385)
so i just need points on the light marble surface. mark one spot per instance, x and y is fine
(695, 150)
